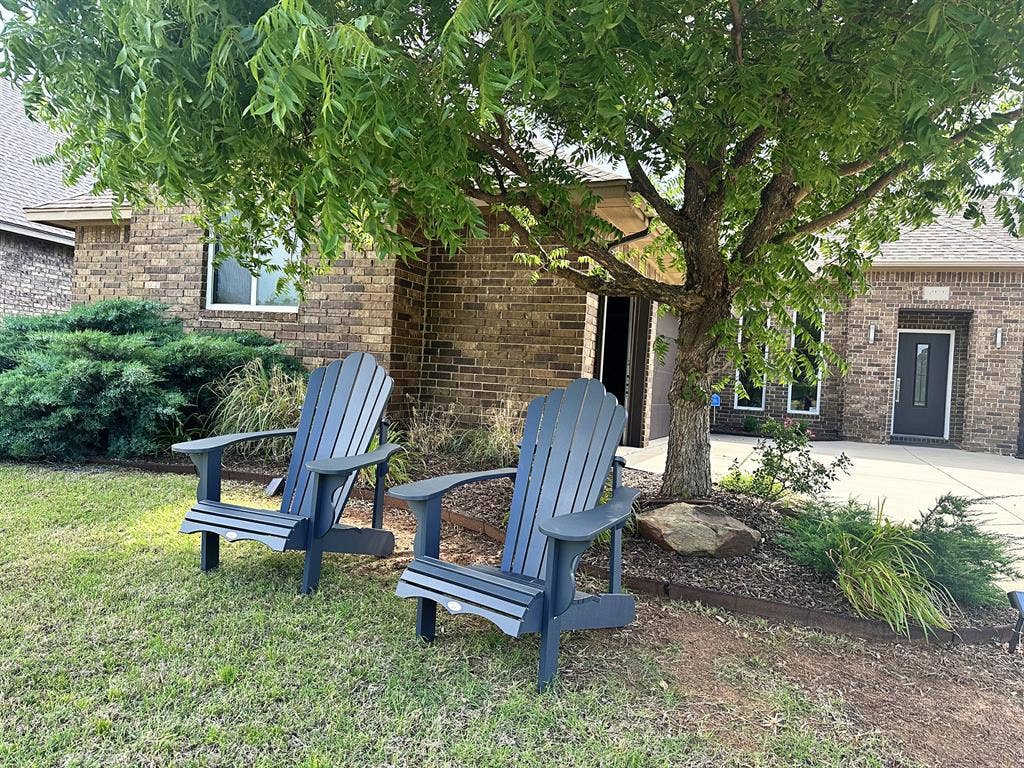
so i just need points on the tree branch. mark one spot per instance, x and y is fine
(737, 29)
(864, 196)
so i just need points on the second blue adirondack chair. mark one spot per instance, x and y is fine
(568, 448)
(344, 407)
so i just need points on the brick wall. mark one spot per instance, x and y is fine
(470, 329)
(991, 409)
(35, 275)
(490, 336)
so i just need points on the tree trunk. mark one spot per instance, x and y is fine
(688, 467)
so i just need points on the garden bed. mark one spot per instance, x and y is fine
(765, 583)
(766, 575)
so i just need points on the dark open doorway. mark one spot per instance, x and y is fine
(623, 351)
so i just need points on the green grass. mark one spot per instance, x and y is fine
(116, 651)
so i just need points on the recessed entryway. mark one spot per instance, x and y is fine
(924, 383)
(620, 362)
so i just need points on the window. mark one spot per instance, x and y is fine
(232, 286)
(921, 375)
(747, 379)
(805, 389)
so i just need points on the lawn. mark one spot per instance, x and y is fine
(116, 651)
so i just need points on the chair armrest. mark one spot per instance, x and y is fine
(424, 490)
(346, 465)
(206, 444)
(587, 525)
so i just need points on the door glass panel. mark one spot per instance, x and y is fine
(921, 375)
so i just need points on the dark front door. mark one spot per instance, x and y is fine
(922, 384)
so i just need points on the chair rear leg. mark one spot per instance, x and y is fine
(209, 551)
(1016, 636)
(548, 666)
(426, 619)
(311, 569)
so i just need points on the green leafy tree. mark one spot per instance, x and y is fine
(776, 143)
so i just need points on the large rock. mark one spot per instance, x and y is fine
(698, 529)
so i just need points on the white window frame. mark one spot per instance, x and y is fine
(252, 306)
(764, 383)
(789, 389)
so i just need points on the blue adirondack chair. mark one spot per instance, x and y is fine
(343, 408)
(1017, 601)
(568, 448)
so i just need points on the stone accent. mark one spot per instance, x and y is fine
(35, 275)
(698, 529)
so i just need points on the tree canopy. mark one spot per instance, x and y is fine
(777, 143)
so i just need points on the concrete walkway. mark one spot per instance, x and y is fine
(907, 479)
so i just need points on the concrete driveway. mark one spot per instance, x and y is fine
(908, 479)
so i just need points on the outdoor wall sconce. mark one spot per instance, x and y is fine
(999, 338)
(872, 329)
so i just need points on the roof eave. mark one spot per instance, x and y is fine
(70, 217)
(947, 266)
(38, 233)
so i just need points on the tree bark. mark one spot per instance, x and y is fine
(688, 467)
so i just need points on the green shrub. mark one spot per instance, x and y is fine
(785, 465)
(965, 560)
(751, 424)
(811, 537)
(253, 399)
(748, 484)
(884, 574)
(115, 378)
(398, 464)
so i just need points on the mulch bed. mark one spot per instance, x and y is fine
(766, 573)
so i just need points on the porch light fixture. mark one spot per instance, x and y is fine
(871, 333)
(999, 338)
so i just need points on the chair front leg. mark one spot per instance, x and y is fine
(427, 544)
(559, 591)
(615, 562)
(208, 468)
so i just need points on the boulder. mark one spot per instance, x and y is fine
(698, 529)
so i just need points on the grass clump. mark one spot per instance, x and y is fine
(253, 398)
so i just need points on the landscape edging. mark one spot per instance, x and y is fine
(748, 606)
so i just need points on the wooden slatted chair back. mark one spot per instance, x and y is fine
(569, 439)
(344, 404)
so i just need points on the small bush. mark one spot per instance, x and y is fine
(398, 464)
(884, 574)
(748, 484)
(253, 399)
(965, 560)
(785, 465)
(812, 536)
(751, 424)
(495, 443)
(434, 431)
(115, 378)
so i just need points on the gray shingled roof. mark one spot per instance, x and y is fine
(23, 182)
(955, 240)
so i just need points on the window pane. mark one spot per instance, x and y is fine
(232, 283)
(803, 393)
(754, 388)
(267, 282)
(921, 375)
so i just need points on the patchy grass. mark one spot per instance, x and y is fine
(116, 651)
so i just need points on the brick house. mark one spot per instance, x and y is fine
(35, 259)
(471, 329)
(935, 349)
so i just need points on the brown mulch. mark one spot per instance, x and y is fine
(767, 573)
